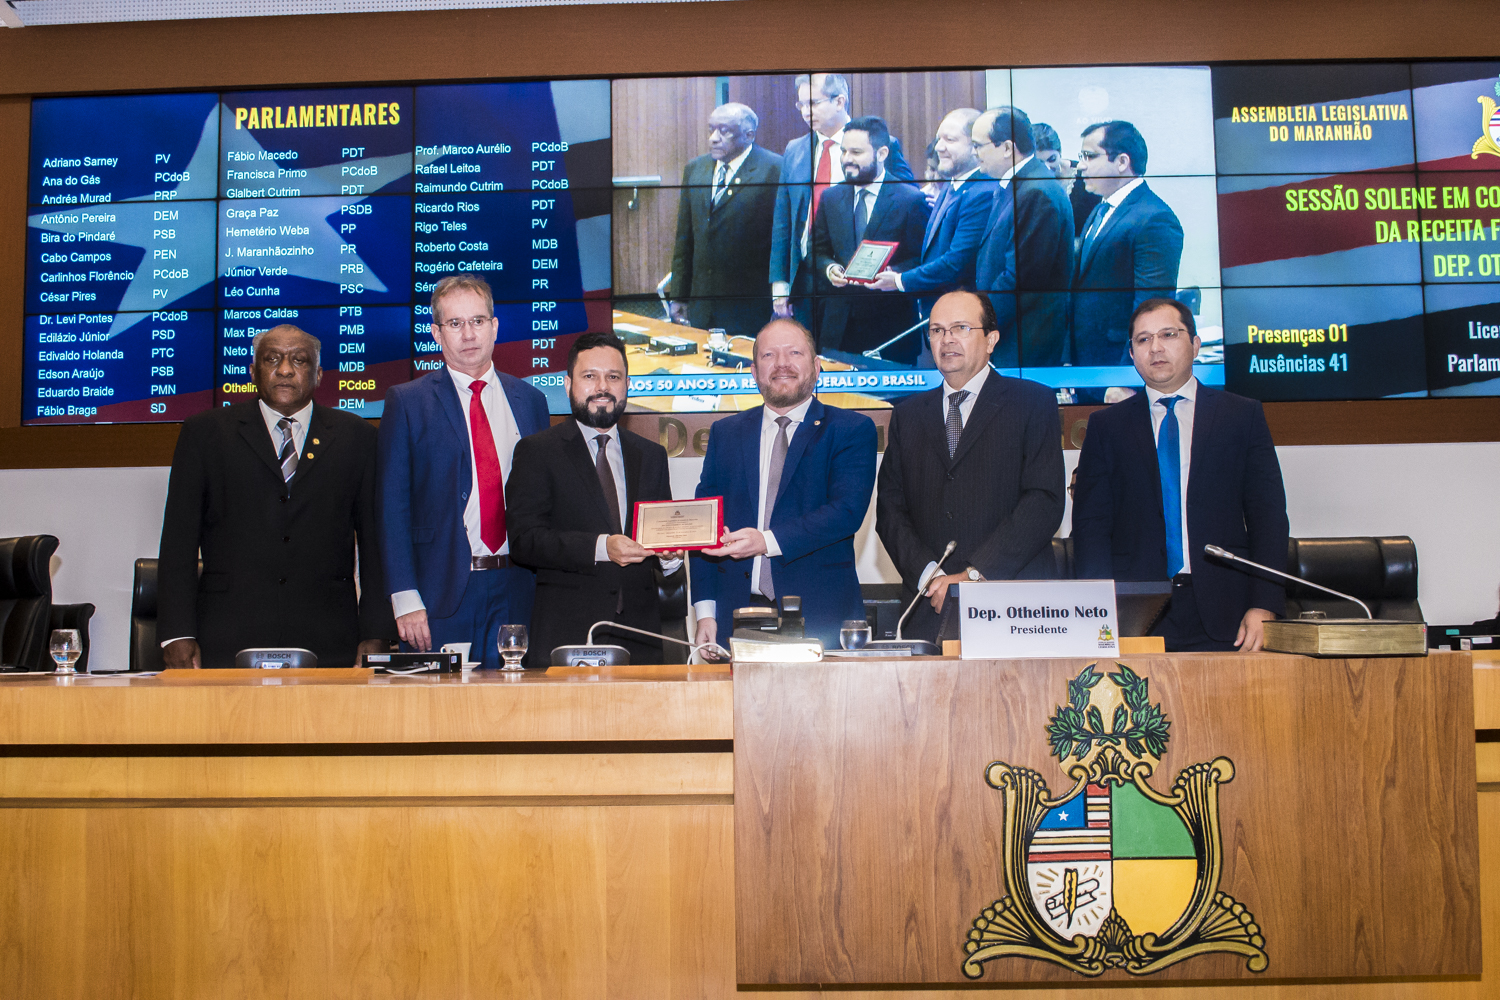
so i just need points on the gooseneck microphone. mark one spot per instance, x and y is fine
(874, 352)
(609, 655)
(922, 583)
(1225, 554)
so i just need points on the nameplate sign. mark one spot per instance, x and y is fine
(1011, 619)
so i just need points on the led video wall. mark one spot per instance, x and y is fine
(1332, 227)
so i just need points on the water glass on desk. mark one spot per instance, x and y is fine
(854, 634)
(66, 648)
(513, 645)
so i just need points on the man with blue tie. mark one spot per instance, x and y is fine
(810, 165)
(446, 441)
(1172, 469)
(959, 219)
(1131, 249)
(796, 478)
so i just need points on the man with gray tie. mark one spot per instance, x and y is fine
(275, 496)
(569, 498)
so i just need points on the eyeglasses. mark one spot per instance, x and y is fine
(1168, 335)
(957, 329)
(476, 323)
(804, 105)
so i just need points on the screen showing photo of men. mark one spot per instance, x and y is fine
(852, 201)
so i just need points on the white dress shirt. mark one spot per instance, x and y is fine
(614, 454)
(874, 195)
(1184, 410)
(506, 433)
(300, 420)
(964, 409)
(1113, 201)
(769, 428)
(1005, 180)
(781, 289)
(730, 169)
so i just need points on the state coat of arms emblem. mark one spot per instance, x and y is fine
(1489, 140)
(1112, 873)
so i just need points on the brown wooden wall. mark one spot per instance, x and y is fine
(708, 39)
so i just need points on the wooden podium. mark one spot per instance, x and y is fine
(1212, 818)
(574, 833)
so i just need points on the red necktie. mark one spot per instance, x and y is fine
(487, 464)
(822, 180)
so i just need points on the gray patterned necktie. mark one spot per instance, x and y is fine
(288, 455)
(955, 419)
(773, 486)
(607, 484)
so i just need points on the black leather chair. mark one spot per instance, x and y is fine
(1381, 571)
(27, 614)
(145, 653)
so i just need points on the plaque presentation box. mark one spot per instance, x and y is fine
(669, 525)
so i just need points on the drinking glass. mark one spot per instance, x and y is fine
(66, 647)
(513, 644)
(854, 634)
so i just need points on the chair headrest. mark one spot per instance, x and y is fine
(1367, 567)
(26, 566)
(143, 595)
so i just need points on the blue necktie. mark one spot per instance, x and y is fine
(1169, 464)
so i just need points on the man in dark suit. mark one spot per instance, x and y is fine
(960, 216)
(977, 460)
(1132, 245)
(445, 450)
(809, 168)
(275, 496)
(1174, 468)
(720, 267)
(855, 317)
(570, 498)
(1043, 224)
(796, 477)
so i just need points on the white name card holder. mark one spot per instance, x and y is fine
(1015, 619)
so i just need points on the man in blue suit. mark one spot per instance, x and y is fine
(958, 222)
(796, 477)
(809, 167)
(995, 263)
(1172, 469)
(1132, 245)
(445, 448)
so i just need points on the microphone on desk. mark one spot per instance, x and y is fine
(874, 352)
(1225, 554)
(922, 583)
(605, 655)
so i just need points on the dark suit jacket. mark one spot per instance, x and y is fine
(426, 472)
(1000, 496)
(950, 246)
(720, 265)
(1044, 263)
(1132, 259)
(794, 200)
(856, 318)
(278, 558)
(1235, 499)
(995, 273)
(824, 494)
(556, 513)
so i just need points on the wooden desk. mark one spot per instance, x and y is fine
(561, 835)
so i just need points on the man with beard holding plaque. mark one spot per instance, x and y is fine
(569, 499)
(796, 478)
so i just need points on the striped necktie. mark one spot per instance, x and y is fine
(288, 455)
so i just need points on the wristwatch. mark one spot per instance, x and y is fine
(973, 574)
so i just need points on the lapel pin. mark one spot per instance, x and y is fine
(309, 454)
(817, 423)
(316, 441)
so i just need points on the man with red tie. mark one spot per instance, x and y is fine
(445, 450)
(810, 165)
